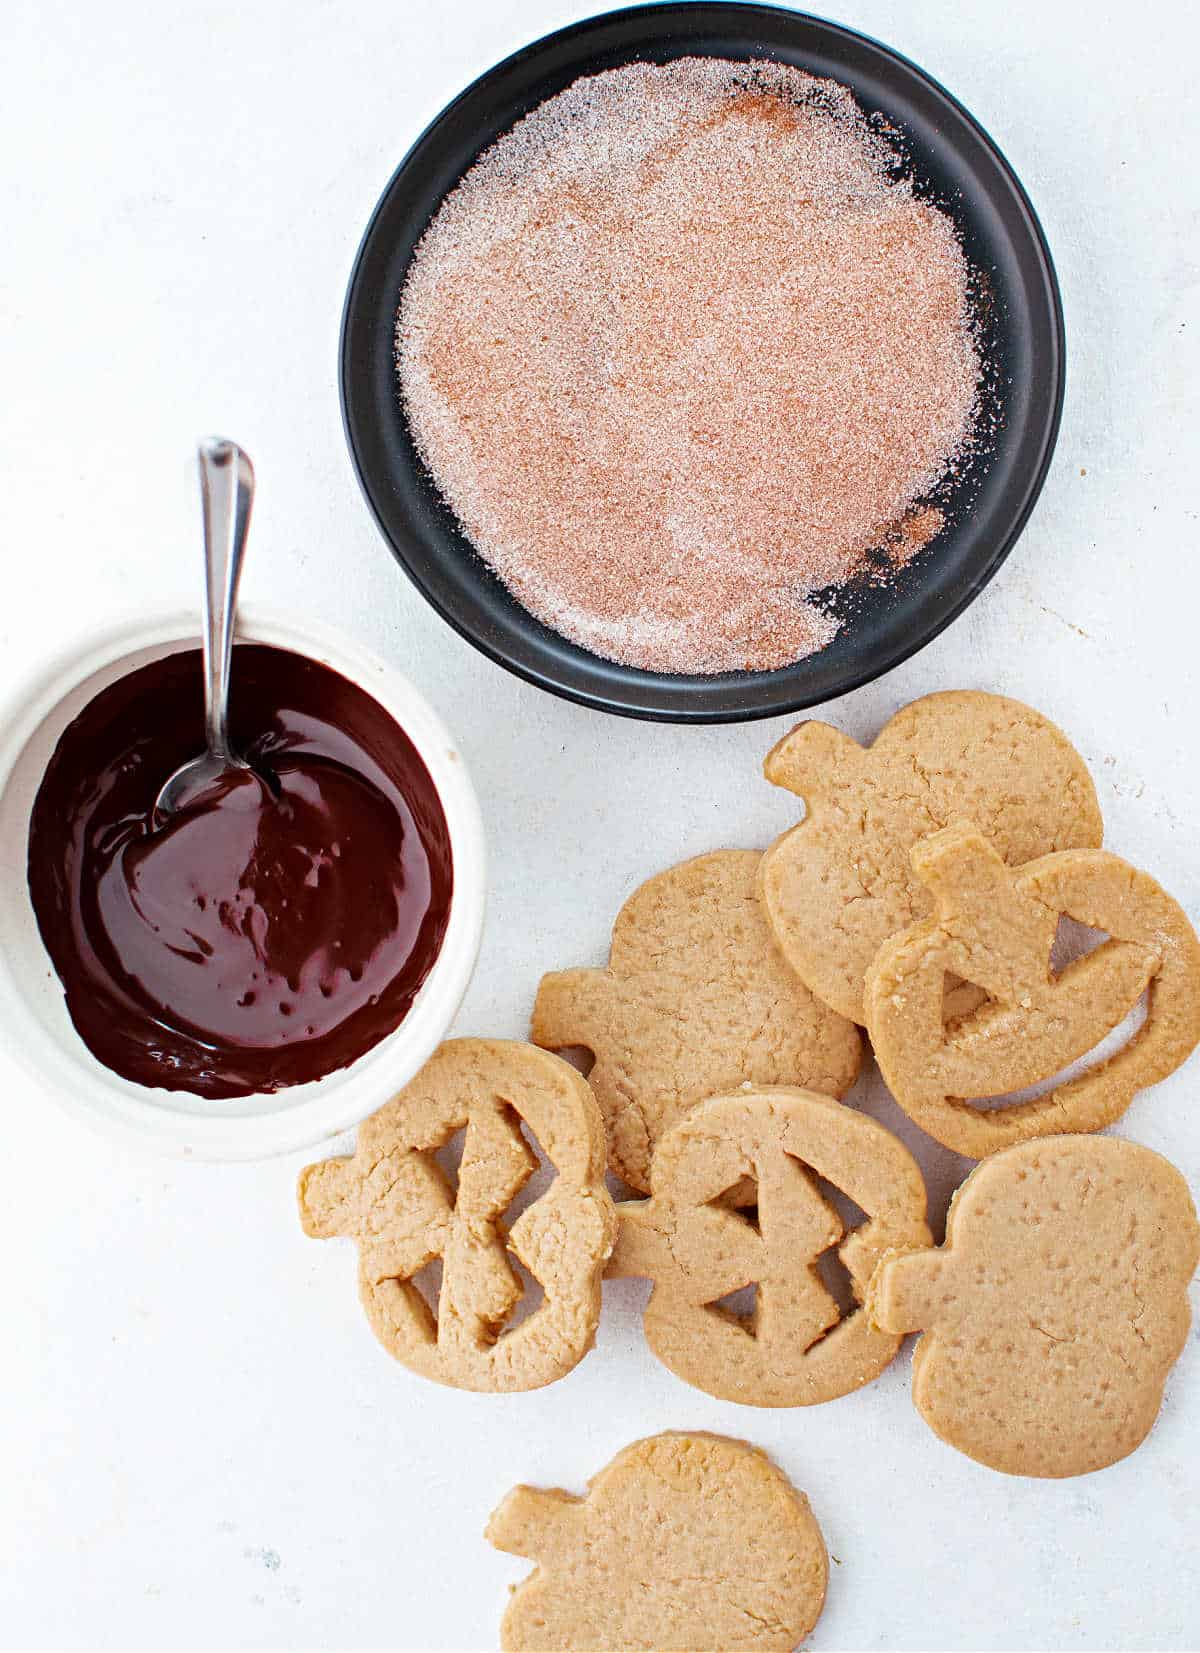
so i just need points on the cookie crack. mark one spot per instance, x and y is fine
(1049, 1335)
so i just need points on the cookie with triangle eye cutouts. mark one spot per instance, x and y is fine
(738, 1201)
(694, 1001)
(1056, 1307)
(994, 927)
(395, 1199)
(838, 885)
(683, 1541)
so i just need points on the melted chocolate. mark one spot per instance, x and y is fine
(275, 929)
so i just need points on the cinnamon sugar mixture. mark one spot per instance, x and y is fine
(680, 350)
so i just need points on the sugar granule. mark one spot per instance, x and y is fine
(681, 350)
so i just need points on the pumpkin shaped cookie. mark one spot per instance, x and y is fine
(995, 927)
(696, 999)
(1056, 1307)
(684, 1541)
(762, 1151)
(839, 884)
(394, 1199)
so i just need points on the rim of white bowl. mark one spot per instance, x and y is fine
(33, 1017)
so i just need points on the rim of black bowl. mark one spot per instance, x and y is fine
(954, 162)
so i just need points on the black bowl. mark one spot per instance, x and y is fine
(953, 161)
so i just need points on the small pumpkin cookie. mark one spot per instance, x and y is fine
(695, 1000)
(1056, 1307)
(995, 928)
(393, 1198)
(839, 884)
(684, 1541)
(763, 1150)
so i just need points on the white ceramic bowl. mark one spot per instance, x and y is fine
(34, 1023)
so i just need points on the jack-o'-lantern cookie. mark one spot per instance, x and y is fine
(684, 1541)
(694, 1001)
(1056, 1307)
(402, 1208)
(839, 884)
(736, 1202)
(995, 927)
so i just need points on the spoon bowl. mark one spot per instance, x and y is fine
(196, 782)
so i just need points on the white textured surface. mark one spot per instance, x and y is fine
(201, 1445)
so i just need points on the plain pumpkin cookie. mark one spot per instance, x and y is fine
(695, 1000)
(995, 928)
(737, 1203)
(405, 1212)
(839, 884)
(1056, 1307)
(684, 1541)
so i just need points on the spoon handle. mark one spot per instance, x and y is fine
(226, 493)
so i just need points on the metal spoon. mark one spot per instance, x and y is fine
(227, 493)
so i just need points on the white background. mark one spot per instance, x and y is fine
(200, 1442)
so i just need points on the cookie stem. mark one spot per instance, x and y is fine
(531, 1521)
(907, 1290)
(804, 761)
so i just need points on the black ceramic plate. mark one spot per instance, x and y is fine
(953, 161)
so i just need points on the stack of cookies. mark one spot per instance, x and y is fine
(920, 899)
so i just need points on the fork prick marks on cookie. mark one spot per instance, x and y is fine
(1056, 1308)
